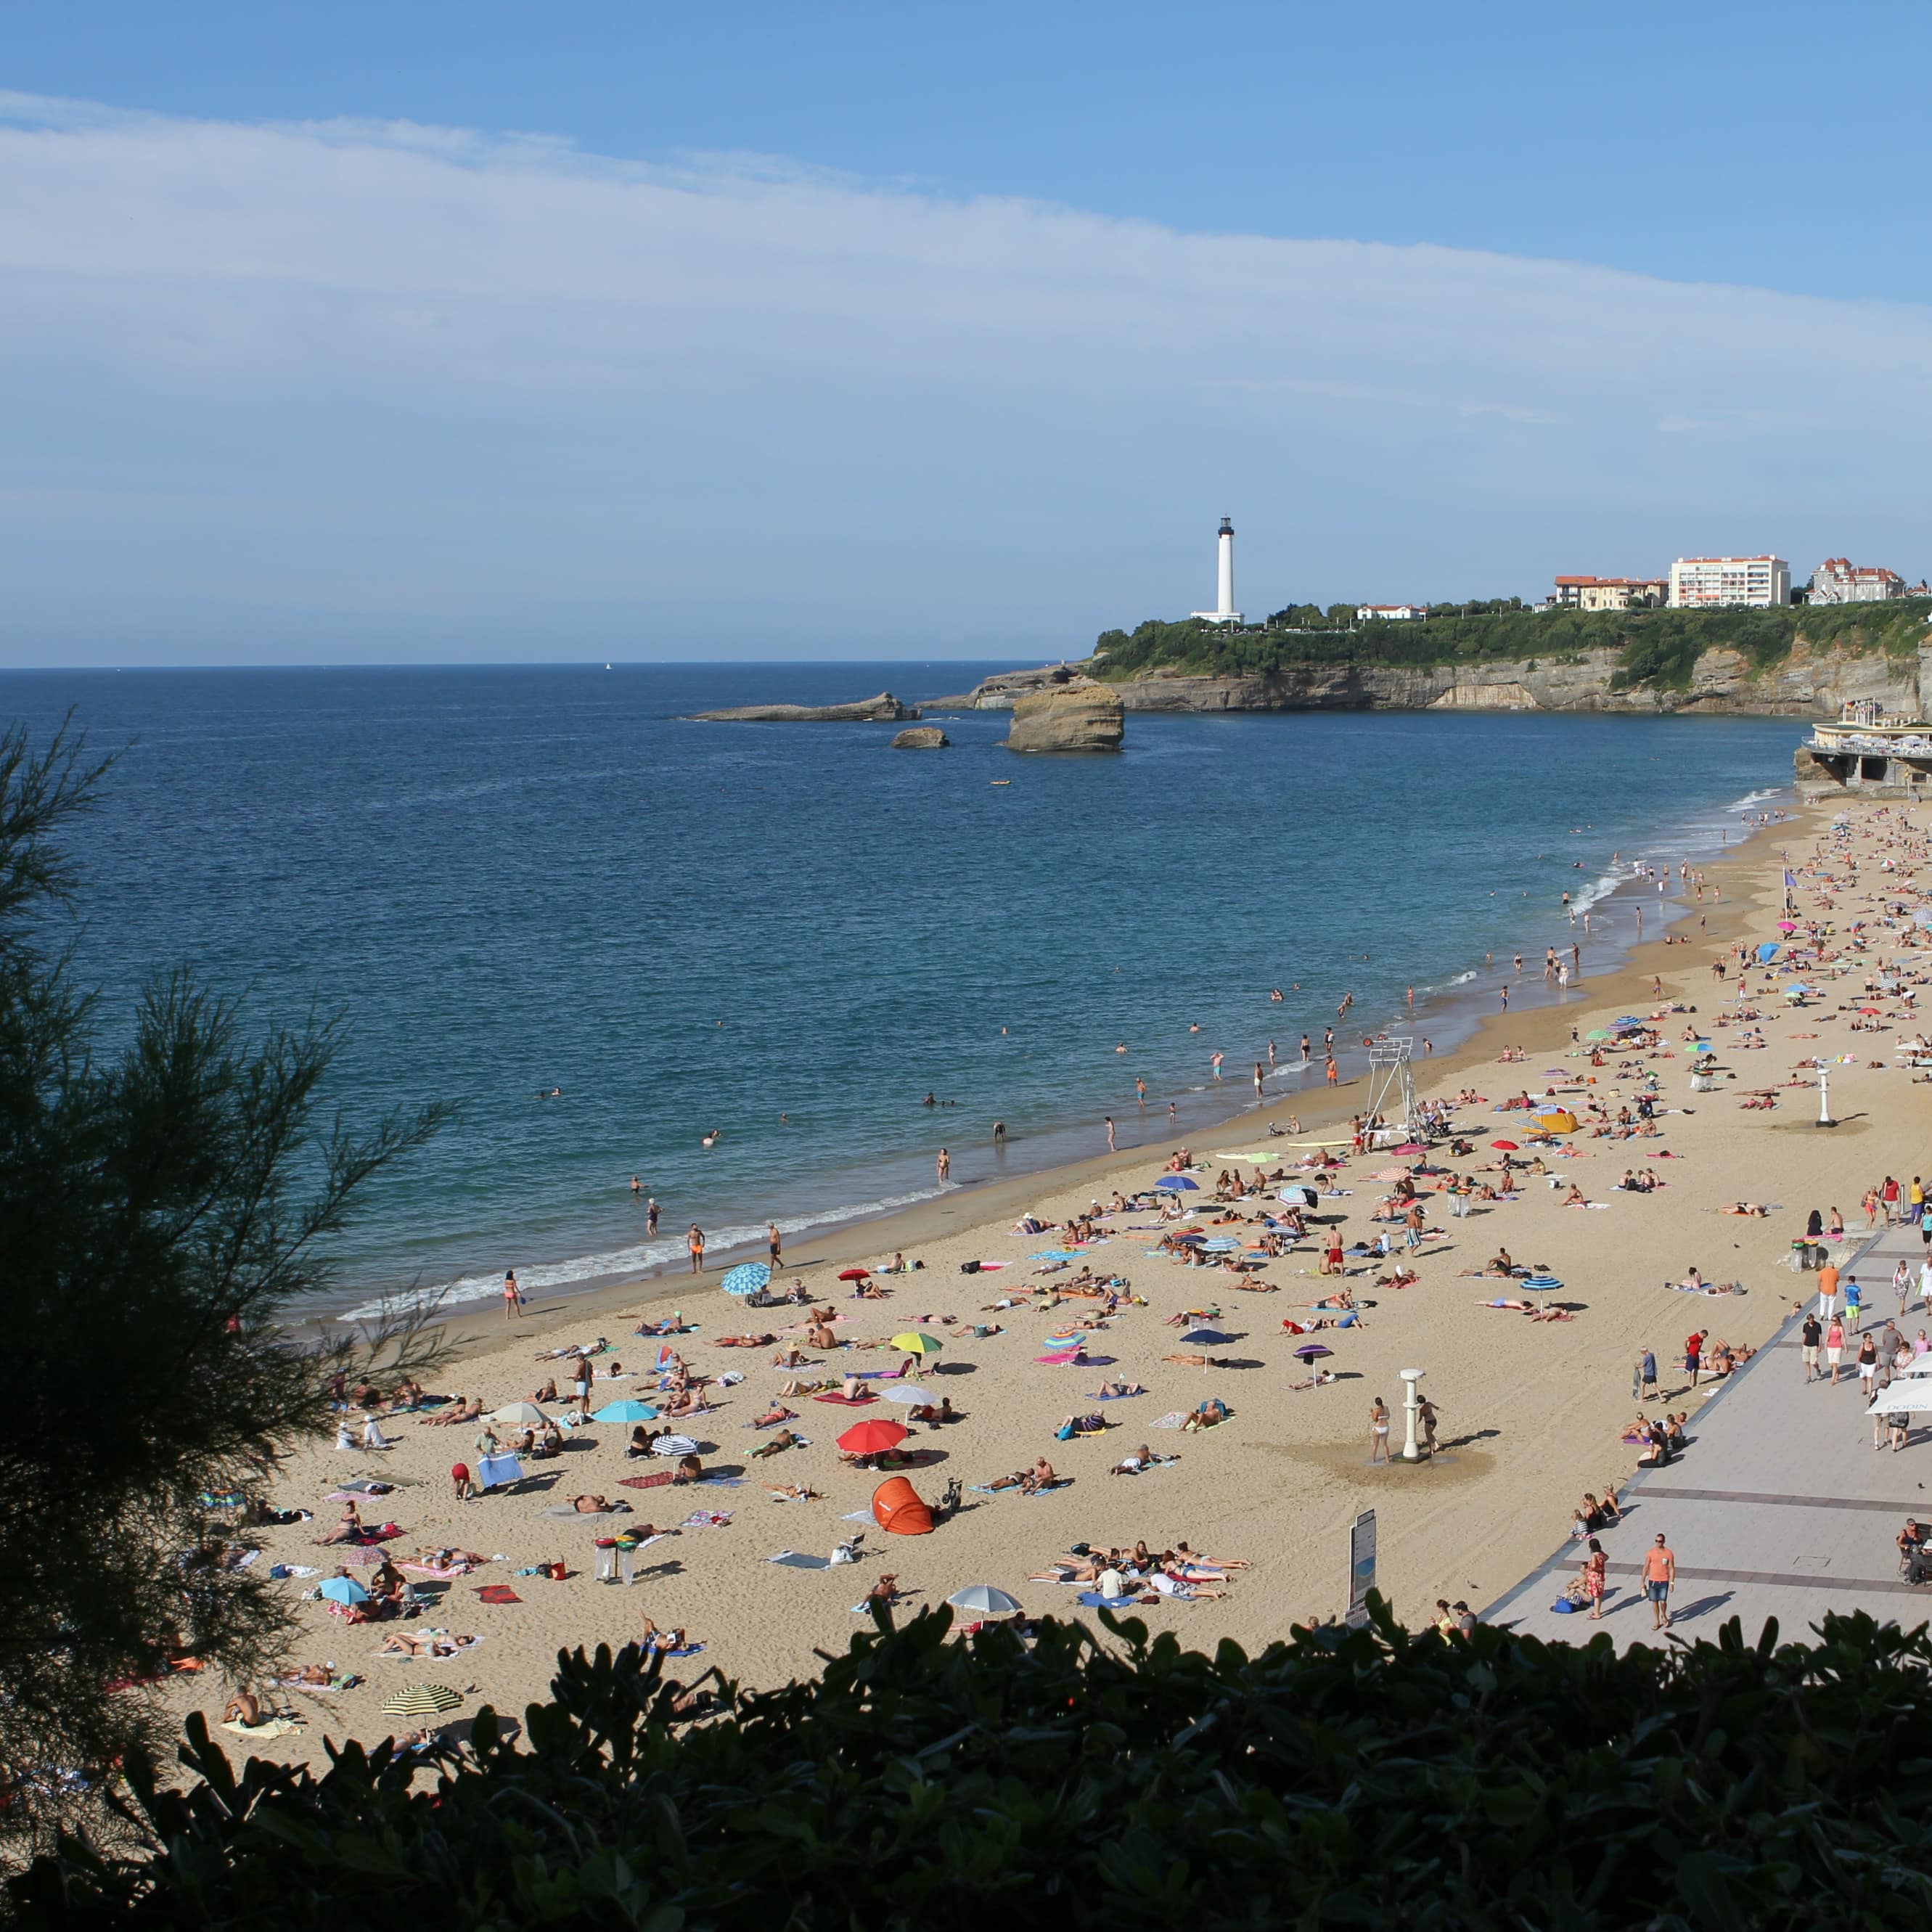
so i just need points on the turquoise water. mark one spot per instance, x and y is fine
(515, 879)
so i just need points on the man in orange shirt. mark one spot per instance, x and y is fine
(1660, 1572)
(1828, 1291)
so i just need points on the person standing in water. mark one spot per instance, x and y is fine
(694, 1242)
(513, 1296)
(652, 1211)
(943, 1166)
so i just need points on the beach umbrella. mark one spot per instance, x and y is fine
(747, 1278)
(1506, 1147)
(909, 1392)
(526, 1413)
(1388, 1173)
(1189, 1234)
(918, 1345)
(1210, 1338)
(1311, 1351)
(1222, 1244)
(1767, 952)
(371, 1556)
(343, 1590)
(1598, 1033)
(629, 1410)
(1178, 1184)
(1907, 1398)
(673, 1445)
(422, 1700)
(855, 1274)
(984, 1600)
(868, 1438)
(1787, 926)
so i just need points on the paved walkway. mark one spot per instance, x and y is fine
(1779, 1508)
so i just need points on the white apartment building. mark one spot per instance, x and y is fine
(1609, 593)
(1389, 613)
(1714, 583)
(1838, 581)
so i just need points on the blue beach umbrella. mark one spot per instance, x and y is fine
(1223, 1244)
(1767, 953)
(1178, 1184)
(627, 1411)
(747, 1278)
(1210, 1338)
(344, 1590)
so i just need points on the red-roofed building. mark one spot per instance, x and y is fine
(1609, 593)
(1836, 580)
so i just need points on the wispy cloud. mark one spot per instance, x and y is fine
(428, 369)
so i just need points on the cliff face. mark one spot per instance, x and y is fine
(1808, 683)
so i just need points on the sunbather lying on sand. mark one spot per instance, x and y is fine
(590, 1505)
(1116, 1387)
(773, 1416)
(745, 1341)
(471, 1411)
(783, 1439)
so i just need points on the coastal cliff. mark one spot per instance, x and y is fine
(1797, 663)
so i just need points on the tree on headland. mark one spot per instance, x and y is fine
(167, 1189)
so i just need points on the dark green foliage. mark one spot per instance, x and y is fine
(164, 1190)
(1659, 647)
(1342, 1778)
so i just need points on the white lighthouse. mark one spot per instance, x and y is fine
(1224, 612)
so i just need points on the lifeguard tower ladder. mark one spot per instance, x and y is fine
(1392, 1090)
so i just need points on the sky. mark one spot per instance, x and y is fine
(468, 332)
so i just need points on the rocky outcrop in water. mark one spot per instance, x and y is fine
(922, 738)
(1000, 692)
(1077, 714)
(883, 710)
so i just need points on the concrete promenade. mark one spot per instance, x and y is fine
(1779, 1507)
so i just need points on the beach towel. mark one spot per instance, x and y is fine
(656, 1482)
(1094, 1600)
(439, 1575)
(848, 1401)
(498, 1593)
(589, 1516)
(792, 1559)
(269, 1727)
(685, 1650)
(704, 1519)
(1059, 1360)
(1172, 1419)
(1126, 1395)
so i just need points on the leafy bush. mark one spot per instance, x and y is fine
(1342, 1778)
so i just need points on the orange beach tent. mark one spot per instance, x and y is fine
(898, 1511)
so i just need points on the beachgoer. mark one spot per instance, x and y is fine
(1660, 1572)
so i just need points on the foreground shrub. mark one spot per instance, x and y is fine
(1342, 1778)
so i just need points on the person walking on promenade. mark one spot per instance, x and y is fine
(1660, 1572)
(1811, 1334)
(1646, 1369)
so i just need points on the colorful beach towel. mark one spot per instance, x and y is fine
(498, 1593)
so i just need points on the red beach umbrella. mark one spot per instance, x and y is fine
(1506, 1147)
(855, 1274)
(867, 1439)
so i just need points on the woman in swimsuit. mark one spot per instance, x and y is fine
(1378, 1429)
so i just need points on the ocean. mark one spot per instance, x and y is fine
(512, 880)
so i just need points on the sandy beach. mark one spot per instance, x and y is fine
(1531, 1412)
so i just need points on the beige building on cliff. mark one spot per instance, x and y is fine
(1609, 593)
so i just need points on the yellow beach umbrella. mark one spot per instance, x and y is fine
(917, 1345)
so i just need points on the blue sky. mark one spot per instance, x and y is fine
(487, 331)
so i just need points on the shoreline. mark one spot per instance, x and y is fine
(1532, 1415)
(1539, 1028)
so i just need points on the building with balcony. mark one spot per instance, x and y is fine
(1729, 582)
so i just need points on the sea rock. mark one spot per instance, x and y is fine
(883, 710)
(1076, 715)
(922, 738)
(1004, 688)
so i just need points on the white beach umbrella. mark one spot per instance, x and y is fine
(1911, 1397)
(984, 1600)
(912, 1395)
(673, 1445)
(526, 1413)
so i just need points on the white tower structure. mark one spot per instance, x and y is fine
(1224, 612)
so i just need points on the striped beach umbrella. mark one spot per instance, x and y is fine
(422, 1700)
(747, 1278)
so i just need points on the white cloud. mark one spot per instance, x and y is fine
(370, 369)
